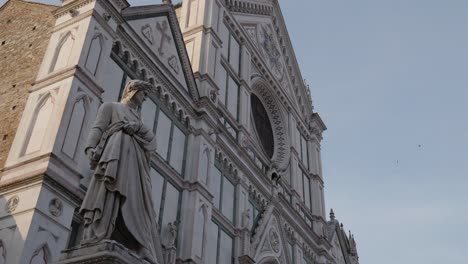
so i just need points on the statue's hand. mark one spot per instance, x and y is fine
(90, 153)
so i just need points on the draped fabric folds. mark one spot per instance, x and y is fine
(119, 194)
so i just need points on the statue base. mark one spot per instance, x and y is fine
(105, 252)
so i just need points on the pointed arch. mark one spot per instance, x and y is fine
(39, 123)
(200, 229)
(205, 165)
(62, 52)
(75, 125)
(94, 53)
(41, 255)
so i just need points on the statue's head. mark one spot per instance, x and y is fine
(133, 88)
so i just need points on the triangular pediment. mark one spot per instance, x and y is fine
(263, 23)
(271, 241)
(157, 29)
(337, 249)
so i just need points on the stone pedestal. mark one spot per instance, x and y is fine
(106, 252)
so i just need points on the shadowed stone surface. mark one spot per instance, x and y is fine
(106, 252)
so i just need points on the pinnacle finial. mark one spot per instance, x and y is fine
(332, 214)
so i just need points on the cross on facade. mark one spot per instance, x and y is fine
(164, 36)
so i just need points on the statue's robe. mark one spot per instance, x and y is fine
(118, 204)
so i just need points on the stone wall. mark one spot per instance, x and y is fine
(25, 30)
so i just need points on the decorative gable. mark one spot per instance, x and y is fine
(263, 23)
(269, 242)
(265, 39)
(336, 251)
(157, 27)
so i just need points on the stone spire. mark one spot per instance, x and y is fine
(332, 215)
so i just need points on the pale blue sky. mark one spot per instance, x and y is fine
(387, 76)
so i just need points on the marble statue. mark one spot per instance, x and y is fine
(118, 204)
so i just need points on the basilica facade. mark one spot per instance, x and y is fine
(236, 177)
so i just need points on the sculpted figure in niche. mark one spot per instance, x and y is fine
(118, 204)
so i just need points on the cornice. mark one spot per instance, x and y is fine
(112, 11)
(70, 7)
(73, 20)
(129, 45)
(249, 7)
(67, 73)
(301, 229)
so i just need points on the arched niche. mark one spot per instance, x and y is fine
(39, 123)
(75, 125)
(200, 232)
(205, 165)
(41, 256)
(94, 53)
(277, 116)
(62, 52)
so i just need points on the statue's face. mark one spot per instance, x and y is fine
(140, 97)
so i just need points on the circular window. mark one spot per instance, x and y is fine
(262, 126)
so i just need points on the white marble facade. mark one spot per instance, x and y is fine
(238, 166)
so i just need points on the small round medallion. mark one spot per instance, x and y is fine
(55, 207)
(274, 240)
(12, 203)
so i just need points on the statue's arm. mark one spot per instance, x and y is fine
(147, 137)
(103, 119)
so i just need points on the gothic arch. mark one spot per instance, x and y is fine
(41, 255)
(94, 53)
(205, 163)
(76, 124)
(62, 51)
(202, 221)
(37, 130)
(278, 120)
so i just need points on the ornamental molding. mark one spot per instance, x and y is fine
(299, 89)
(249, 7)
(178, 41)
(278, 122)
(163, 91)
(228, 167)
